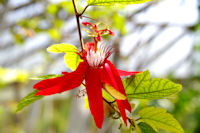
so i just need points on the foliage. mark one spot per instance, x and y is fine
(159, 118)
(27, 100)
(141, 86)
(111, 2)
(145, 128)
(72, 59)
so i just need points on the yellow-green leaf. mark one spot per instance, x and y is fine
(159, 118)
(142, 87)
(72, 60)
(114, 92)
(63, 47)
(30, 98)
(113, 2)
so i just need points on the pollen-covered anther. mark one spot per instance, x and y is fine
(97, 58)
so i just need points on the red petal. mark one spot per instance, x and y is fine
(63, 83)
(114, 76)
(47, 83)
(126, 73)
(116, 82)
(94, 92)
(65, 73)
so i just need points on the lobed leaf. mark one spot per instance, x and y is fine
(142, 87)
(159, 118)
(113, 2)
(30, 98)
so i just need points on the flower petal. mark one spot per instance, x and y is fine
(127, 73)
(116, 82)
(114, 76)
(63, 83)
(116, 94)
(48, 83)
(94, 92)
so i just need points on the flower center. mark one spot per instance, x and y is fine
(97, 58)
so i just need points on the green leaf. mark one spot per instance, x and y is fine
(145, 128)
(49, 76)
(72, 60)
(159, 118)
(60, 48)
(142, 87)
(30, 98)
(113, 2)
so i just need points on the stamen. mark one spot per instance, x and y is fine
(97, 59)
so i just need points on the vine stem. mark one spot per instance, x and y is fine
(78, 24)
(131, 120)
(116, 110)
(80, 15)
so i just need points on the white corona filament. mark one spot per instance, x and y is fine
(96, 59)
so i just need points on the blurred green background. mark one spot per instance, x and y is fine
(162, 36)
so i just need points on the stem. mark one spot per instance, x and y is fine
(116, 110)
(78, 24)
(83, 11)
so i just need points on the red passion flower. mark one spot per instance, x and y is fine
(97, 71)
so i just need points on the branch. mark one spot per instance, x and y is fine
(80, 15)
(78, 24)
